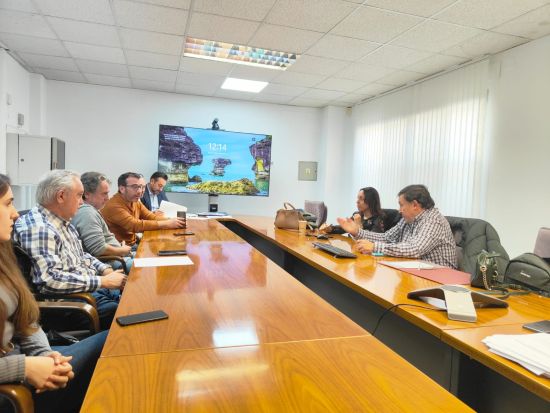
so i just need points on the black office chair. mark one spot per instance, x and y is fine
(391, 218)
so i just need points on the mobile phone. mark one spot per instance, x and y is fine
(164, 253)
(128, 320)
(539, 326)
(181, 234)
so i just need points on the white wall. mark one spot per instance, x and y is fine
(115, 130)
(518, 194)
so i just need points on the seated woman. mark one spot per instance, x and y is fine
(368, 216)
(25, 355)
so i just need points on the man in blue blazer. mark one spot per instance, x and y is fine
(154, 194)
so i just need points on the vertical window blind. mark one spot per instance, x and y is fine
(431, 133)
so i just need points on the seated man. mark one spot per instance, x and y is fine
(154, 194)
(60, 266)
(423, 231)
(94, 233)
(125, 214)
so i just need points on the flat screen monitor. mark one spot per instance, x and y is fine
(218, 162)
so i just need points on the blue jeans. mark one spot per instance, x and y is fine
(85, 354)
(107, 303)
(118, 266)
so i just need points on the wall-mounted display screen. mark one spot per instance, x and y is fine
(217, 162)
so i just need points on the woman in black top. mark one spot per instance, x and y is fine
(368, 216)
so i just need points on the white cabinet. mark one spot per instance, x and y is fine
(30, 157)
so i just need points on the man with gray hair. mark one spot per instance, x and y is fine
(60, 266)
(94, 233)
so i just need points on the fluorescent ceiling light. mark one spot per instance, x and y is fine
(236, 53)
(243, 85)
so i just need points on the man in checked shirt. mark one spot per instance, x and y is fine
(423, 231)
(60, 265)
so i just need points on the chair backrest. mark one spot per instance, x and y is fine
(473, 235)
(542, 244)
(317, 208)
(25, 264)
(391, 218)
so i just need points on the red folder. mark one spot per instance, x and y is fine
(441, 275)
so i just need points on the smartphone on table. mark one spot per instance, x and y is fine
(128, 320)
(166, 253)
(539, 326)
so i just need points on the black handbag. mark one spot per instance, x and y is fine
(487, 275)
(530, 272)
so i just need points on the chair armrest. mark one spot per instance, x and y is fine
(106, 258)
(86, 297)
(88, 310)
(19, 395)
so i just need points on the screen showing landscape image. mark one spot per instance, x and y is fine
(218, 162)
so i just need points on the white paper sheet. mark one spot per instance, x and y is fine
(162, 261)
(413, 265)
(170, 209)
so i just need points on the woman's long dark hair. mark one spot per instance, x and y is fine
(25, 318)
(372, 199)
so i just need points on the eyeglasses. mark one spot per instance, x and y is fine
(136, 187)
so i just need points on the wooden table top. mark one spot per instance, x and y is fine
(232, 295)
(387, 286)
(468, 341)
(348, 374)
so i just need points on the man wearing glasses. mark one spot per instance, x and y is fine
(126, 215)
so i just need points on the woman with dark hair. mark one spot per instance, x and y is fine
(25, 354)
(368, 216)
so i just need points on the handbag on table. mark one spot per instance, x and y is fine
(288, 217)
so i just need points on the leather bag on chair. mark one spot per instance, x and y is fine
(288, 217)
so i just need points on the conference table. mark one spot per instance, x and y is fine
(244, 334)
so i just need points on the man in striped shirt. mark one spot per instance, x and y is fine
(423, 231)
(60, 266)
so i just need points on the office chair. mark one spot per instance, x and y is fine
(542, 244)
(391, 218)
(317, 208)
(19, 396)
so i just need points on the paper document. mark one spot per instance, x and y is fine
(162, 261)
(170, 209)
(532, 351)
(412, 265)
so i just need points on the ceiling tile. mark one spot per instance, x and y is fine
(284, 39)
(84, 32)
(147, 59)
(200, 79)
(485, 43)
(97, 11)
(108, 80)
(148, 17)
(254, 73)
(435, 36)
(30, 44)
(376, 25)
(192, 64)
(352, 98)
(374, 89)
(151, 42)
(312, 103)
(224, 29)
(243, 9)
(99, 53)
(400, 77)
(200, 89)
(363, 72)
(343, 85)
(435, 63)
(277, 99)
(233, 94)
(299, 79)
(532, 25)
(424, 8)
(487, 13)
(21, 5)
(322, 94)
(102, 68)
(317, 65)
(153, 85)
(286, 90)
(179, 4)
(147, 73)
(48, 62)
(24, 23)
(342, 48)
(395, 57)
(316, 15)
(63, 75)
